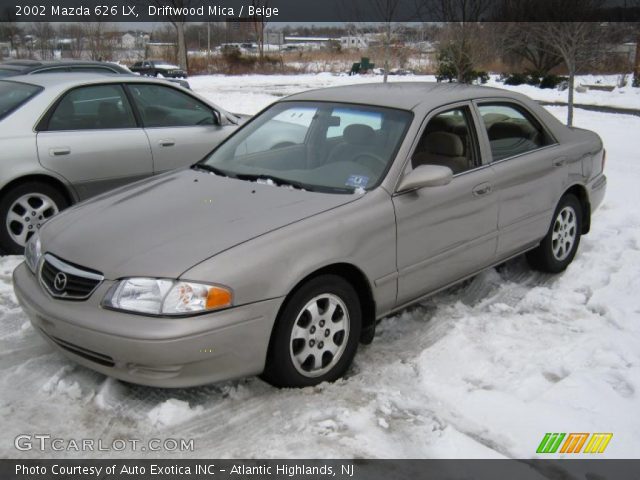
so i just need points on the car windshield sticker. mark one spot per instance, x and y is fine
(357, 181)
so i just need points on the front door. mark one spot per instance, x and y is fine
(181, 129)
(447, 232)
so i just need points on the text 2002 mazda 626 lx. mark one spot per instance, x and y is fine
(276, 254)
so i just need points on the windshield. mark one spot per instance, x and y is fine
(321, 146)
(14, 94)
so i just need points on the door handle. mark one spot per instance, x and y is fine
(167, 143)
(559, 162)
(55, 152)
(482, 189)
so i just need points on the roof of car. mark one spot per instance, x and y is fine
(29, 65)
(69, 79)
(403, 95)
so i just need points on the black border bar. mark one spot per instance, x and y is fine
(555, 469)
(315, 11)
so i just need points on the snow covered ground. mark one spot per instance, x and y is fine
(481, 370)
(261, 90)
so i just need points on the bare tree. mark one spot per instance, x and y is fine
(10, 29)
(259, 26)
(99, 43)
(177, 18)
(77, 33)
(519, 39)
(45, 36)
(462, 37)
(387, 10)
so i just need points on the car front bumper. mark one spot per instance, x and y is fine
(161, 352)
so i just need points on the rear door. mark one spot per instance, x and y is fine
(181, 129)
(91, 138)
(530, 172)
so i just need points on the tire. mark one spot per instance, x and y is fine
(35, 201)
(291, 360)
(559, 246)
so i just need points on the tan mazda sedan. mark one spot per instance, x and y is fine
(278, 252)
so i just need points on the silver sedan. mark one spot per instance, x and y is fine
(278, 258)
(67, 137)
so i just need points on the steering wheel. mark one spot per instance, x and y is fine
(372, 161)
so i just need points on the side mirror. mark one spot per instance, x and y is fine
(426, 176)
(218, 118)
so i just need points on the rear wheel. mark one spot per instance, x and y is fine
(23, 210)
(316, 334)
(559, 246)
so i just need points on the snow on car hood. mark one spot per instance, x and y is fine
(163, 226)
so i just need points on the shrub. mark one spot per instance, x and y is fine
(552, 81)
(516, 79)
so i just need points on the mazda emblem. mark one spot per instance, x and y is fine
(60, 282)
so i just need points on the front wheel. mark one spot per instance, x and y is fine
(559, 246)
(316, 334)
(23, 210)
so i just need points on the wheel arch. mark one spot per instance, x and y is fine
(357, 278)
(580, 192)
(47, 179)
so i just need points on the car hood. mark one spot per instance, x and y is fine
(163, 226)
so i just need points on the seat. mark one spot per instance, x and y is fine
(357, 139)
(442, 148)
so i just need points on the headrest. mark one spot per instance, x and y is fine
(443, 143)
(358, 134)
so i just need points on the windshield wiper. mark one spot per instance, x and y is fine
(209, 168)
(277, 180)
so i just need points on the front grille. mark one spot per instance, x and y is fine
(96, 357)
(66, 281)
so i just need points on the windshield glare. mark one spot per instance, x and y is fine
(321, 146)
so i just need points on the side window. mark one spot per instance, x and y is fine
(92, 108)
(162, 106)
(91, 69)
(511, 130)
(448, 140)
(51, 70)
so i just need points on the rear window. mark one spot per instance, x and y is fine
(13, 95)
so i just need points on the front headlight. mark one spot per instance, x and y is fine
(33, 252)
(166, 297)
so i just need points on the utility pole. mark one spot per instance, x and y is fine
(636, 68)
(208, 45)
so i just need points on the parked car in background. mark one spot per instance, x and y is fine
(67, 137)
(155, 68)
(12, 68)
(278, 259)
